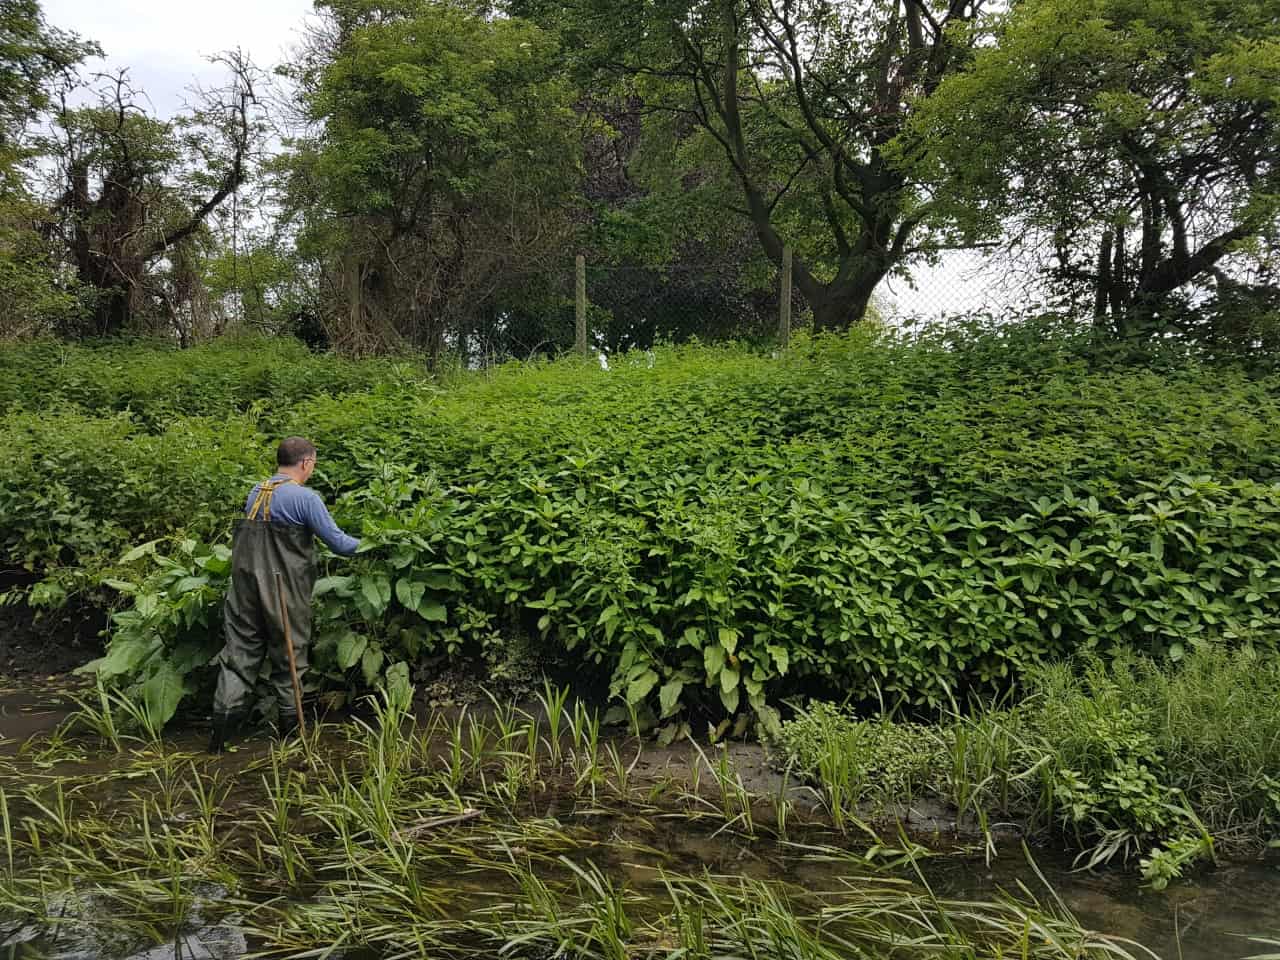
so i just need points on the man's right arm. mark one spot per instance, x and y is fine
(320, 523)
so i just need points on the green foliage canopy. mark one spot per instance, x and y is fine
(1141, 137)
(712, 530)
(443, 159)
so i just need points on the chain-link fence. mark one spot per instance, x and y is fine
(607, 308)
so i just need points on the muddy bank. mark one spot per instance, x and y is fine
(43, 642)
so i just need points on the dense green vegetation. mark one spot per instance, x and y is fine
(154, 382)
(707, 529)
(1130, 759)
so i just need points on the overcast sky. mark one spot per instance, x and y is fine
(165, 45)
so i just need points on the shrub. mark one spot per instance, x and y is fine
(715, 530)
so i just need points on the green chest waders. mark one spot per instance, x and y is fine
(267, 560)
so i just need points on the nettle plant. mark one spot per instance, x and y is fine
(725, 606)
(707, 531)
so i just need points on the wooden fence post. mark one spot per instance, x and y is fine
(784, 301)
(580, 305)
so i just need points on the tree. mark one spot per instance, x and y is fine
(132, 192)
(439, 165)
(33, 57)
(799, 98)
(1137, 140)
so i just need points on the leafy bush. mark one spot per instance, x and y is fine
(882, 760)
(1126, 759)
(154, 381)
(712, 529)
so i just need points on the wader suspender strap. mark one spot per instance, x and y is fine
(263, 500)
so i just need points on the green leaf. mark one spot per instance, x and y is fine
(669, 696)
(728, 639)
(350, 648)
(729, 679)
(410, 592)
(143, 550)
(730, 699)
(188, 584)
(371, 664)
(781, 659)
(340, 585)
(433, 611)
(161, 694)
(123, 657)
(639, 688)
(713, 660)
(376, 591)
(399, 689)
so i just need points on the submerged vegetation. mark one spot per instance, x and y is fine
(503, 831)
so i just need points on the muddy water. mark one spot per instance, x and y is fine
(29, 708)
(1210, 917)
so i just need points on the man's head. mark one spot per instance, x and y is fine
(296, 458)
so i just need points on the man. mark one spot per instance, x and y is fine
(282, 518)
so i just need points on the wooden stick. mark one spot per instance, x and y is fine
(293, 663)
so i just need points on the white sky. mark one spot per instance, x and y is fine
(165, 45)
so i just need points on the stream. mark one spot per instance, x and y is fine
(1211, 916)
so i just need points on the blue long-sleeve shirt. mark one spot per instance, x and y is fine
(294, 504)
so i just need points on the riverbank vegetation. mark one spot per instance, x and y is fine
(1127, 760)
(708, 535)
(705, 532)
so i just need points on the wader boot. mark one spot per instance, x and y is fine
(224, 727)
(253, 626)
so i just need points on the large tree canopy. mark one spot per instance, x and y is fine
(33, 56)
(799, 99)
(131, 192)
(1137, 140)
(441, 164)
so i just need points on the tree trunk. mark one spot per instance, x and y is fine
(111, 313)
(839, 305)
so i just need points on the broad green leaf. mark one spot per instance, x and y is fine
(729, 678)
(410, 592)
(161, 694)
(142, 550)
(669, 696)
(187, 584)
(371, 664)
(713, 660)
(376, 591)
(123, 657)
(730, 699)
(341, 585)
(729, 639)
(350, 648)
(639, 688)
(440, 581)
(399, 689)
(781, 659)
(433, 611)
